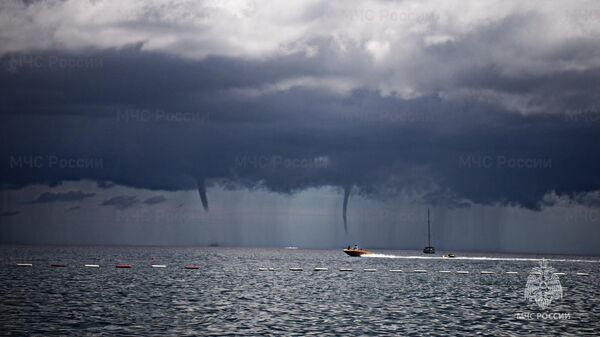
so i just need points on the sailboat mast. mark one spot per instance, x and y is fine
(428, 229)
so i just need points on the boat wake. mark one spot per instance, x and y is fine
(475, 258)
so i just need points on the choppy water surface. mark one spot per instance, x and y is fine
(228, 295)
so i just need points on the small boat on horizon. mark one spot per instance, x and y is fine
(355, 251)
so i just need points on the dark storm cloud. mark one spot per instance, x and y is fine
(105, 184)
(362, 139)
(48, 197)
(121, 202)
(158, 199)
(9, 213)
(474, 126)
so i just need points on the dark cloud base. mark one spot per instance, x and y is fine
(49, 197)
(9, 213)
(115, 115)
(121, 202)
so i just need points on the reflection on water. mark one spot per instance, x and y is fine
(229, 295)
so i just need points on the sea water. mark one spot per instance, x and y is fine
(251, 291)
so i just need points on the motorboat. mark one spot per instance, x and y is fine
(356, 251)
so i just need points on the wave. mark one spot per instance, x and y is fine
(476, 258)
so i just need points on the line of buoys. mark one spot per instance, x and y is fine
(120, 265)
(482, 272)
(193, 266)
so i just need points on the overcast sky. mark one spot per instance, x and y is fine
(305, 123)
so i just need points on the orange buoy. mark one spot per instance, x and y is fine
(191, 266)
(60, 265)
(123, 266)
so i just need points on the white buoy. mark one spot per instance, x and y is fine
(560, 274)
(512, 272)
(24, 265)
(321, 269)
(345, 269)
(445, 271)
(485, 272)
(462, 272)
(582, 274)
(419, 271)
(295, 269)
(159, 266)
(370, 270)
(91, 266)
(271, 269)
(396, 270)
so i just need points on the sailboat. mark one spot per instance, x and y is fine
(429, 249)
